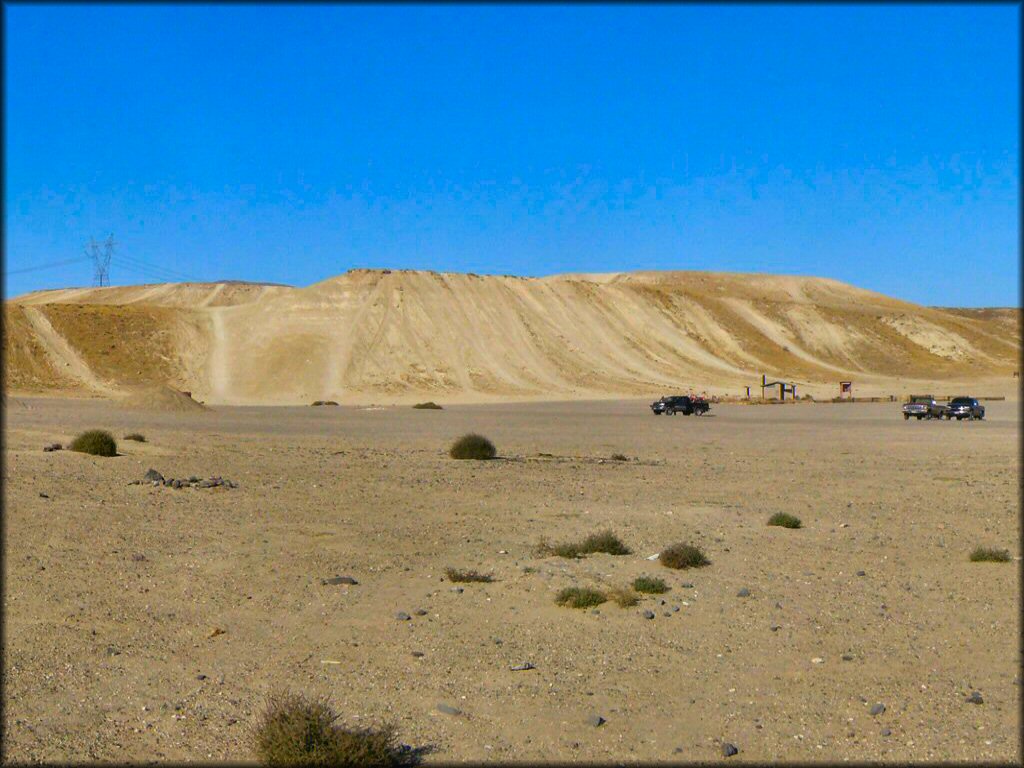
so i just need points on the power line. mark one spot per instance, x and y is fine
(154, 268)
(149, 271)
(51, 265)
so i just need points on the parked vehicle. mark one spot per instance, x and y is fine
(923, 407)
(964, 408)
(684, 404)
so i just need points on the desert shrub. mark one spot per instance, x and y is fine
(604, 541)
(683, 556)
(295, 730)
(324, 402)
(784, 520)
(580, 597)
(650, 585)
(98, 442)
(624, 597)
(473, 446)
(990, 555)
(454, 574)
(428, 406)
(620, 457)
(138, 438)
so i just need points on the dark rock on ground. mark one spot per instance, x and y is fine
(596, 720)
(744, 592)
(448, 710)
(728, 750)
(403, 616)
(339, 580)
(648, 614)
(152, 474)
(877, 709)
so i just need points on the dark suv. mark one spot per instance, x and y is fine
(683, 404)
(964, 408)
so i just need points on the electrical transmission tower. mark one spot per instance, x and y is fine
(101, 260)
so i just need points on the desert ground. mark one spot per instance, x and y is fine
(149, 623)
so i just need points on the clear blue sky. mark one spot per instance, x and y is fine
(876, 145)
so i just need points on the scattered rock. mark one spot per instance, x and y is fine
(338, 580)
(744, 592)
(457, 590)
(52, 447)
(861, 573)
(817, 660)
(200, 677)
(886, 732)
(975, 698)
(596, 721)
(522, 667)
(675, 609)
(847, 657)
(687, 585)
(448, 710)
(403, 616)
(877, 709)
(43, 495)
(113, 650)
(418, 654)
(728, 750)
(152, 474)
(648, 614)
(420, 612)
(138, 557)
(775, 627)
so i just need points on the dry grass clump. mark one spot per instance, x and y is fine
(295, 730)
(990, 555)
(603, 541)
(97, 442)
(580, 597)
(683, 556)
(473, 446)
(428, 406)
(620, 457)
(324, 402)
(137, 437)
(624, 597)
(454, 574)
(649, 585)
(784, 520)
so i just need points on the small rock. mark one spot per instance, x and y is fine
(138, 557)
(817, 660)
(775, 627)
(420, 612)
(205, 483)
(975, 698)
(596, 721)
(861, 573)
(113, 650)
(152, 474)
(418, 654)
(847, 657)
(448, 710)
(728, 750)
(675, 609)
(886, 732)
(744, 592)
(457, 590)
(43, 495)
(522, 667)
(403, 616)
(339, 580)
(193, 478)
(877, 709)
(648, 614)
(687, 585)
(200, 677)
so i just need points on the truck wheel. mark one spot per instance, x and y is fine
(918, 418)
(669, 412)
(906, 417)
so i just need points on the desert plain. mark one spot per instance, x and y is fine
(150, 623)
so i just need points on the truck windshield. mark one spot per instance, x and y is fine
(961, 401)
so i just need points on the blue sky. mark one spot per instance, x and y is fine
(874, 144)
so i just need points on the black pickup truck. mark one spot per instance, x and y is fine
(684, 404)
(964, 408)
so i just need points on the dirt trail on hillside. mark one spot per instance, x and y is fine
(62, 355)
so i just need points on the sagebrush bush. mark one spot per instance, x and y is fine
(683, 556)
(990, 555)
(454, 574)
(295, 730)
(580, 597)
(649, 585)
(784, 520)
(138, 438)
(428, 406)
(473, 446)
(97, 442)
(324, 402)
(603, 541)
(620, 457)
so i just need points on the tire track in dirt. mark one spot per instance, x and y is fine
(62, 354)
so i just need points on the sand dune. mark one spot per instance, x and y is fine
(407, 334)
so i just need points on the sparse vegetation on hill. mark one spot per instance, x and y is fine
(683, 556)
(580, 597)
(324, 402)
(650, 585)
(473, 446)
(295, 730)
(97, 442)
(990, 555)
(428, 406)
(784, 520)
(604, 541)
(624, 597)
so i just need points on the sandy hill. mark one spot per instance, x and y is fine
(411, 334)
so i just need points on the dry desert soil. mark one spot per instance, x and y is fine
(149, 623)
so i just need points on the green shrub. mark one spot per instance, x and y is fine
(136, 437)
(294, 730)
(784, 520)
(428, 406)
(683, 556)
(98, 442)
(580, 597)
(456, 575)
(604, 541)
(649, 585)
(990, 555)
(473, 446)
